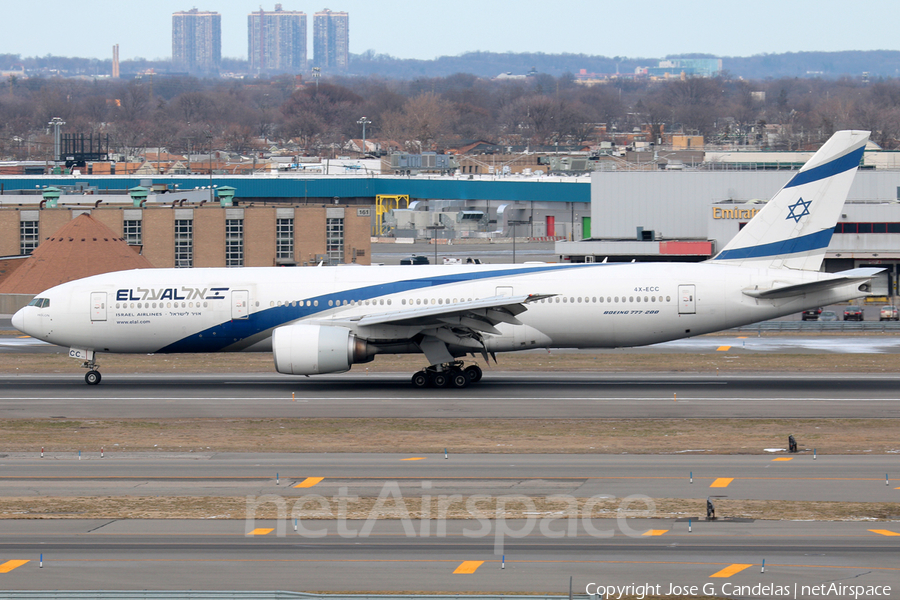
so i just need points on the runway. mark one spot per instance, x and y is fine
(396, 555)
(541, 553)
(498, 395)
(686, 475)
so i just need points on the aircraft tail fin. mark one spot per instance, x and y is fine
(795, 227)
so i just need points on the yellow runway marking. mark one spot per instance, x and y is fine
(414, 458)
(884, 532)
(261, 531)
(782, 458)
(309, 482)
(11, 564)
(722, 482)
(723, 348)
(655, 532)
(467, 567)
(729, 571)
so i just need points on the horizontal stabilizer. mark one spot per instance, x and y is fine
(839, 280)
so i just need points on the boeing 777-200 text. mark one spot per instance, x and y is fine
(325, 319)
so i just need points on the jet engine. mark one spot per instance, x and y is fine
(302, 349)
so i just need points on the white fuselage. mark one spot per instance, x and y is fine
(593, 305)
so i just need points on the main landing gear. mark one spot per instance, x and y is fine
(451, 374)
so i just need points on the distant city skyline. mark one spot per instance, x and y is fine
(429, 30)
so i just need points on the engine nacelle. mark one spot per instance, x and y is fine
(312, 349)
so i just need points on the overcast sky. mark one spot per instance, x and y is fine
(429, 28)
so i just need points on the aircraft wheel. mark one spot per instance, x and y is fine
(459, 379)
(420, 380)
(439, 380)
(92, 377)
(474, 373)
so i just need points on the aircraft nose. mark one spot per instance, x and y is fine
(18, 320)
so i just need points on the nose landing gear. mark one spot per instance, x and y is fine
(92, 377)
(451, 374)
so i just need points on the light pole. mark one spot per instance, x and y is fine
(514, 223)
(434, 229)
(364, 121)
(317, 72)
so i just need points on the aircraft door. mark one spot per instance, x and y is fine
(504, 290)
(687, 299)
(98, 306)
(240, 304)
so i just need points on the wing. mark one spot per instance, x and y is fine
(461, 324)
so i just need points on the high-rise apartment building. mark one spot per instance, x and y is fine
(197, 41)
(277, 40)
(331, 40)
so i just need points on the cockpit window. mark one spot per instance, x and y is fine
(45, 303)
(40, 302)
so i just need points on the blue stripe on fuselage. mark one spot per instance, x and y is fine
(219, 337)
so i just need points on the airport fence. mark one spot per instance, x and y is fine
(823, 327)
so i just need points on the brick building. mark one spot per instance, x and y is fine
(207, 235)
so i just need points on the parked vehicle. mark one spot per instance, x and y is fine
(853, 313)
(415, 260)
(889, 313)
(828, 315)
(811, 314)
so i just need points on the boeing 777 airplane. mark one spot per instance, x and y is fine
(325, 319)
